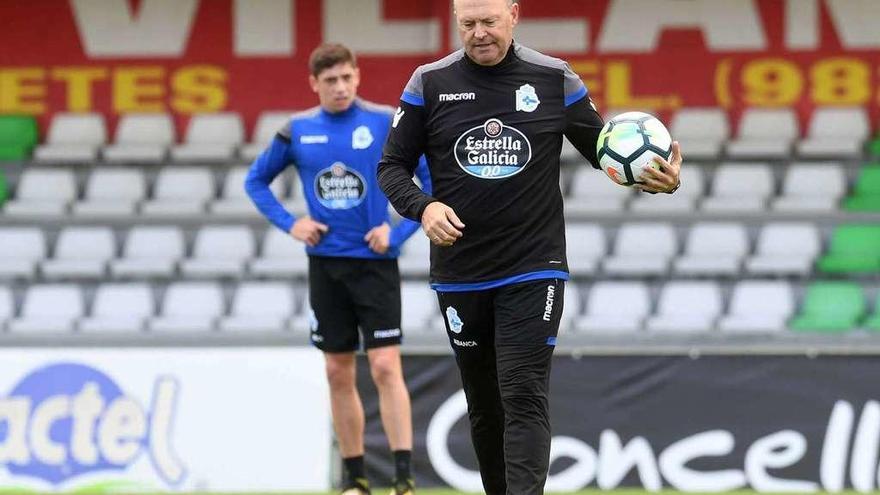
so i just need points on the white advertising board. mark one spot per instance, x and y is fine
(195, 419)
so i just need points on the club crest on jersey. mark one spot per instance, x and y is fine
(361, 138)
(338, 187)
(526, 99)
(492, 150)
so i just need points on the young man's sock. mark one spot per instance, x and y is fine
(354, 470)
(401, 464)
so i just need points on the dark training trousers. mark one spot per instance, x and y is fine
(503, 340)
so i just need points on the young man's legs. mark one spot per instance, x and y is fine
(345, 403)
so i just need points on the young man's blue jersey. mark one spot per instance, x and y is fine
(336, 155)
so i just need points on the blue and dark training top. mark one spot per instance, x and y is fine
(336, 155)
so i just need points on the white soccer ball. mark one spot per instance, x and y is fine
(629, 143)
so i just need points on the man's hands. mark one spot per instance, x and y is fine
(309, 231)
(378, 238)
(665, 179)
(441, 224)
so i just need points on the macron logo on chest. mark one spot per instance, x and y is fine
(458, 96)
(320, 139)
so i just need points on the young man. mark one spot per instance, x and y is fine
(353, 277)
(490, 118)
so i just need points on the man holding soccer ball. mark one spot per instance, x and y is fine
(490, 119)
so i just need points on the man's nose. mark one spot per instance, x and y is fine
(479, 31)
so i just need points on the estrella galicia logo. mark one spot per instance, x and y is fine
(493, 150)
(455, 323)
(67, 420)
(339, 187)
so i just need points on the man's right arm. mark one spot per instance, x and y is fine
(400, 156)
(271, 162)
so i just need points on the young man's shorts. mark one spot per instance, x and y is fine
(347, 294)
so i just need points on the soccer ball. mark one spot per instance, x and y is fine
(628, 144)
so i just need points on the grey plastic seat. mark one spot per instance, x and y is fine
(267, 126)
(149, 252)
(785, 248)
(713, 248)
(415, 256)
(420, 313)
(7, 306)
(759, 306)
(836, 133)
(49, 308)
(210, 138)
(142, 138)
(234, 201)
(80, 253)
(220, 251)
(615, 306)
(811, 187)
(260, 306)
(764, 133)
(593, 192)
(22, 249)
(586, 245)
(42, 192)
(180, 191)
(281, 256)
(122, 308)
(686, 306)
(189, 307)
(111, 192)
(73, 138)
(693, 186)
(740, 188)
(702, 131)
(642, 249)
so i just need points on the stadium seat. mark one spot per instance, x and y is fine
(234, 201)
(872, 322)
(210, 138)
(739, 188)
(682, 201)
(572, 307)
(296, 203)
(7, 306)
(830, 307)
(268, 125)
(141, 138)
(49, 308)
(304, 317)
(80, 253)
(853, 249)
(189, 307)
(835, 132)
(586, 245)
(281, 256)
(180, 191)
(702, 132)
(764, 133)
(415, 256)
(18, 136)
(685, 306)
(149, 252)
(220, 251)
(866, 194)
(111, 192)
(811, 187)
(42, 192)
(642, 249)
(420, 312)
(613, 306)
(785, 248)
(73, 138)
(22, 249)
(119, 308)
(713, 248)
(260, 306)
(594, 192)
(759, 306)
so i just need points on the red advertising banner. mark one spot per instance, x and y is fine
(189, 56)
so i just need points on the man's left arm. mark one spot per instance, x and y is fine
(403, 230)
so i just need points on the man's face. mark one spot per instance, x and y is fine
(336, 87)
(486, 28)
